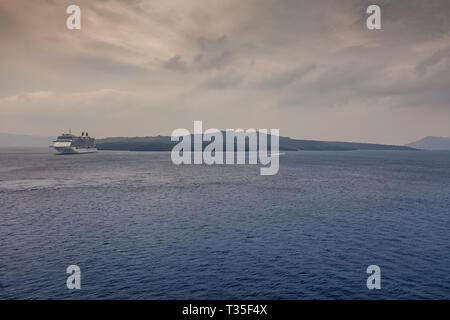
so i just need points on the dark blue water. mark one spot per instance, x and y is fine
(140, 227)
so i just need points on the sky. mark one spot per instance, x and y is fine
(309, 68)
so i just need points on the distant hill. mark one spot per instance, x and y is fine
(21, 140)
(431, 143)
(163, 143)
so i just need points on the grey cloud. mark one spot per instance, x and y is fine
(175, 63)
(222, 82)
(416, 20)
(212, 44)
(217, 61)
(200, 62)
(435, 59)
(105, 65)
(286, 78)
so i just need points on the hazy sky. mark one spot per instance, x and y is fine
(309, 68)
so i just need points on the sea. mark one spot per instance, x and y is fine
(140, 227)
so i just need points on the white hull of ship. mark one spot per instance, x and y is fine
(73, 150)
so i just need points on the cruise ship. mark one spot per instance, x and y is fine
(68, 143)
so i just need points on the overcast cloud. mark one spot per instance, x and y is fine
(309, 68)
